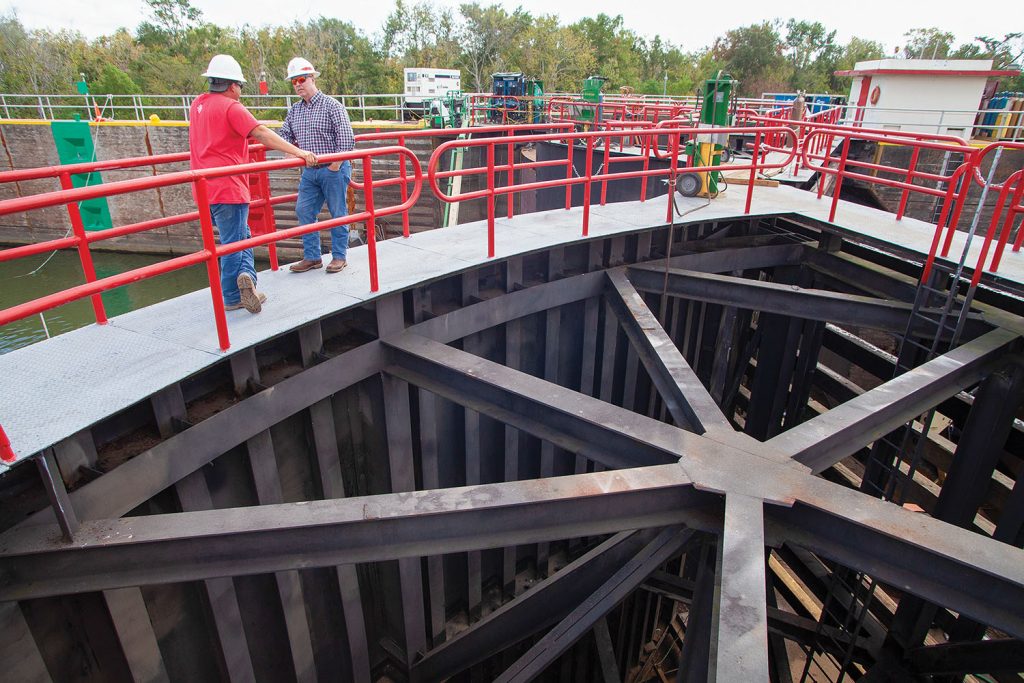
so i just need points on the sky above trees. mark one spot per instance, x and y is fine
(172, 40)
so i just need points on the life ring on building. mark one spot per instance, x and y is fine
(875, 94)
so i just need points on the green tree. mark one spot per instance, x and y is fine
(489, 36)
(617, 49)
(1005, 53)
(171, 18)
(813, 53)
(754, 55)
(556, 54)
(113, 81)
(857, 50)
(927, 43)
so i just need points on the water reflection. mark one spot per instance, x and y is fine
(19, 284)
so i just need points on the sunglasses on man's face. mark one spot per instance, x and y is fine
(299, 80)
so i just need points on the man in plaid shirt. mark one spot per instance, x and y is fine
(319, 124)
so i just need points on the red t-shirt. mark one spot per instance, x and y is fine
(218, 135)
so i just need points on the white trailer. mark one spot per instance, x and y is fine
(424, 85)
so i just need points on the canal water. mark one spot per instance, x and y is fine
(29, 278)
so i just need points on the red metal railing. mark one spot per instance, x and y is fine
(6, 452)
(1008, 207)
(589, 139)
(211, 250)
(400, 138)
(855, 169)
(618, 110)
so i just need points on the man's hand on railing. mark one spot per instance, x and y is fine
(308, 157)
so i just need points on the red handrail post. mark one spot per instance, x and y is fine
(910, 179)
(490, 200)
(511, 153)
(371, 221)
(646, 148)
(753, 171)
(82, 244)
(828, 155)
(404, 186)
(212, 267)
(6, 452)
(839, 179)
(1011, 215)
(588, 174)
(606, 165)
(570, 145)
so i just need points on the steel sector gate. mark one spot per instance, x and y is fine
(597, 461)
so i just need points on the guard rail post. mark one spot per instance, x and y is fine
(490, 200)
(82, 244)
(570, 145)
(753, 171)
(212, 267)
(510, 153)
(588, 173)
(404, 186)
(6, 452)
(605, 165)
(646, 147)
(1004, 233)
(1011, 218)
(371, 222)
(839, 178)
(911, 167)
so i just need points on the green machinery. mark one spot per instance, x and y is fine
(592, 93)
(449, 111)
(706, 150)
(535, 103)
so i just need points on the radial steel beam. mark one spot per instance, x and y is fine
(941, 563)
(811, 304)
(577, 623)
(513, 306)
(741, 609)
(542, 606)
(135, 551)
(823, 441)
(728, 260)
(687, 400)
(1004, 655)
(580, 424)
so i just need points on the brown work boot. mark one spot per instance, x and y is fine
(336, 265)
(252, 300)
(235, 307)
(305, 264)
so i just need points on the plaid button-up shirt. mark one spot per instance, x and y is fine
(320, 126)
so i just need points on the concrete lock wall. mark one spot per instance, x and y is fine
(31, 145)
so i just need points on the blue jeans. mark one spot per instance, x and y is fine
(316, 186)
(231, 220)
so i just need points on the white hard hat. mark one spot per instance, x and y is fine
(301, 67)
(226, 67)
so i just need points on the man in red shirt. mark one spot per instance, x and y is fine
(219, 131)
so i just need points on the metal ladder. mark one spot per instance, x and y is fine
(935, 326)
